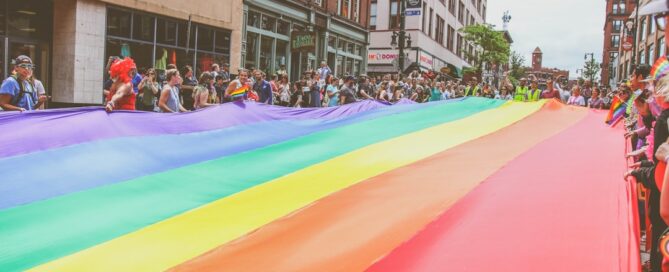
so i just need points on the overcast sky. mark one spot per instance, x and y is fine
(564, 29)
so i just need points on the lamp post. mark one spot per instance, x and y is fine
(400, 39)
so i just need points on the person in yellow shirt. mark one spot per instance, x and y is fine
(521, 91)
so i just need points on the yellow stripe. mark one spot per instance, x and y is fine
(183, 237)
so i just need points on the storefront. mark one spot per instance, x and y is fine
(155, 41)
(25, 29)
(269, 38)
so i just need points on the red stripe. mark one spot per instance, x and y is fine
(562, 206)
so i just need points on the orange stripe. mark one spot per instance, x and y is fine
(349, 230)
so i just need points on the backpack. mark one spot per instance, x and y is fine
(22, 90)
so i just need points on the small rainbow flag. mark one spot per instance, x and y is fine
(660, 68)
(617, 111)
(239, 92)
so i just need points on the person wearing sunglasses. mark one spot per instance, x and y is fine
(17, 93)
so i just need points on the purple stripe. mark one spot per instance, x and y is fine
(40, 130)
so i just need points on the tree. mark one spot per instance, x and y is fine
(517, 61)
(591, 70)
(491, 46)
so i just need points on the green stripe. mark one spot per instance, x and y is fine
(43, 231)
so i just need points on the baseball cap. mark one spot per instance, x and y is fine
(23, 59)
(656, 6)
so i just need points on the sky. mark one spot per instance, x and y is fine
(564, 29)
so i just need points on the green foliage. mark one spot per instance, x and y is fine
(491, 45)
(517, 61)
(591, 70)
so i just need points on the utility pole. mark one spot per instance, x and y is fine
(402, 35)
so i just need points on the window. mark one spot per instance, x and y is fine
(461, 12)
(267, 23)
(355, 13)
(651, 54)
(478, 6)
(372, 16)
(424, 18)
(344, 8)
(429, 31)
(618, 7)
(642, 56)
(471, 20)
(483, 13)
(167, 32)
(118, 23)
(458, 47)
(449, 39)
(643, 29)
(143, 27)
(283, 27)
(466, 17)
(439, 32)
(394, 18)
(253, 19)
(617, 25)
(652, 27)
(615, 40)
(661, 49)
(451, 6)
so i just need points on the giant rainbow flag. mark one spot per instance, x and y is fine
(459, 185)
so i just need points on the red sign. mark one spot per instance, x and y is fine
(627, 44)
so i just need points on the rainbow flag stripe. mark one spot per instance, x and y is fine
(239, 92)
(365, 186)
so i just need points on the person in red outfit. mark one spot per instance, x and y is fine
(121, 96)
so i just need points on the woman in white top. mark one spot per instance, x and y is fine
(169, 97)
(576, 99)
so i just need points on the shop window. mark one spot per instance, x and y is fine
(357, 50)
(185, 36)
(118, 23)
(205, 39)
(253, 19)
(280, 58)
(332, 41)
(266, 54)
(140, 52)
(351, 48)
(349, 66)
(340, 66)
(28, 19)
(342, 45)
(251, 43)
(183, 58)
(167, 32)
(267, 23)
(222, 42)
(283, 27)
(143, 27)
(356, 67)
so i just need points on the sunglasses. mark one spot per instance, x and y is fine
(26, 66)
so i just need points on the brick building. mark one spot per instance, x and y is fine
(649, 44)
(543, 73)
(301, 33)
(617, 13)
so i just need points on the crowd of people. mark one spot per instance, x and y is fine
(644, 104)
(179, 90)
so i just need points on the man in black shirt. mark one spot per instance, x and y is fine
(347, 93)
